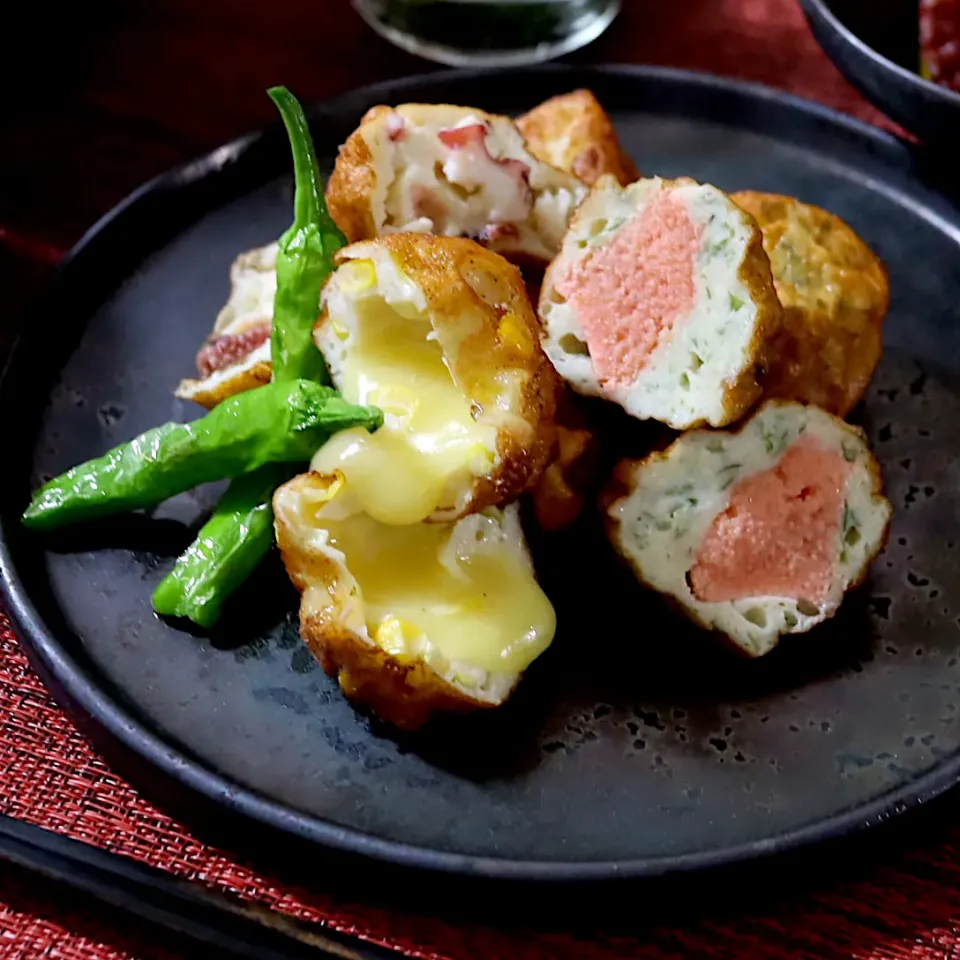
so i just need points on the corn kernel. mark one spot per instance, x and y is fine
(396, 401)
(356, 276)
(397, 637)
(515, 334)
(330, 485)
(480, 460)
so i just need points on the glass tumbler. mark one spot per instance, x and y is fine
(488, 33)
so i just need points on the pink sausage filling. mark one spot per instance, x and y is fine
(780, 533)
(396, 127)
(231, 348)
(472, 135)
(629, 293)
(471, 141)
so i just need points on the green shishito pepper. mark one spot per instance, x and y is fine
(304, 255)
(240, 532)
(228, 549)
(277, 423)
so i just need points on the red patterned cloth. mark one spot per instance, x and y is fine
(906, 908)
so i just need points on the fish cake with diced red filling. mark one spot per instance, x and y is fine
(236, 355)
(451, 171)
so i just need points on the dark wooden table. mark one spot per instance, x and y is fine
(101, 96)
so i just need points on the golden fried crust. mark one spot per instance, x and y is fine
(352, 182)
(232, 380)
(573, 132)
(561, 495)
(877, 486)
(404, 693)
(469, 291)
(375, 113)
(756, 275)
(835, 294)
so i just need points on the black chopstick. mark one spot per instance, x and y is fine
(182, 907)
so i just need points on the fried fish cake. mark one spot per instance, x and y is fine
(439, 333)
(835, 293)
(415, 619)
(564, 490)
(573, 132)
(755, 532)
(236, 355)
(452, 171)
(662, 301)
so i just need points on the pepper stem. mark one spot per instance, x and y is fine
(309, 205)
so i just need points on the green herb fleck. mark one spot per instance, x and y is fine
(735, 302)
(851, 530)
(647, 519)
(718, 246)
(775, 442)
(729, 473)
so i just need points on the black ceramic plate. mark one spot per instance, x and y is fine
(635, 747)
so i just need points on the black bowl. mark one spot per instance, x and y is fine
(876, 46)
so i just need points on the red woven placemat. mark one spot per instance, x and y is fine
(909, 908)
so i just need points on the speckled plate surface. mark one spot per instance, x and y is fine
(634, 747)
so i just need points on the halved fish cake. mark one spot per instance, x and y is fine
(834, 291)
(574, 133)
(236, 355)
(415, 619)
(437, 332)
(566, 486)
(662, 301)
(754, 533)
(452, 171)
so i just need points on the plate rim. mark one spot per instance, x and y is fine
(914, 81)
(76, 688)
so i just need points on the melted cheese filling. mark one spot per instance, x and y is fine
(430, 448)
(464, 589)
